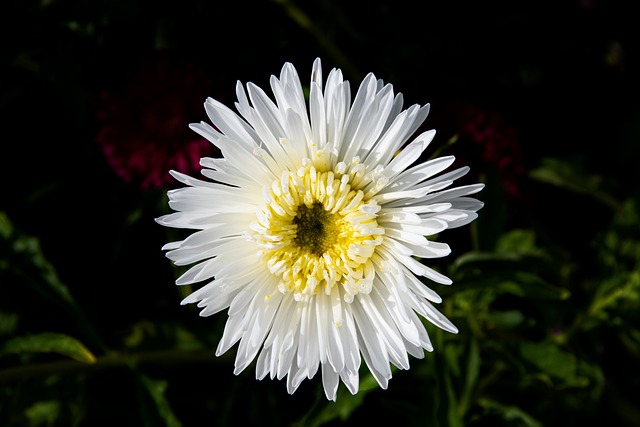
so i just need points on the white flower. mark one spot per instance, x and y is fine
(309, 235)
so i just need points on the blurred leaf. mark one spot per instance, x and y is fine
(514, 250)
(517, 241)
(498, 262)
(509, 413)
(613, 296)
(452, 358)
(505, 319)
(8, 322)
(138, 332)
(43, 413)
(514, 267)
(570, 176)
(519, 283)
(6, 228)
(146, 333)
(595, 376)
(471, 377)
(551, 360)
(156, 390)
(50, 343)
(25, 257)
(453, 416)
(530, 285)
(632, 336)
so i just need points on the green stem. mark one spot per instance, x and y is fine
(113, 360)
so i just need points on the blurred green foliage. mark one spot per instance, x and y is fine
(546, 285)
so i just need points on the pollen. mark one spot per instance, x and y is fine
(316, 231)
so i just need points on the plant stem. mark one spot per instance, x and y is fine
(112, 360)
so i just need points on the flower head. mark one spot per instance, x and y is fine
(310, 231)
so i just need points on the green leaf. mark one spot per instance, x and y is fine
(43, 413)
(513, 273)
(453, 417)
(632, 337)
(6, 228)
(570, 176)
(529, 285)
(156, 333)
(619, 289)
(8, 322)
(552, 360)
(517, 242)
(509, 413)
(505, 319)
(594, 375)
(50, 343)
(492, 262)
(471, 377)
(452, 358)
(25, 257)
(156, 390)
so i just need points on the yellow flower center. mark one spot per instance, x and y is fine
(315, 231)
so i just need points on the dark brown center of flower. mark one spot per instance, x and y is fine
(316, 229)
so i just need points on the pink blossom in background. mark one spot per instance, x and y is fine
(495, 141)
(144, 124)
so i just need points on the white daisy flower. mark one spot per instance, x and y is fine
(309, 232)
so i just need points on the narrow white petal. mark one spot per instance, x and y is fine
(351, 379)
(397, 134)
(420, 289)
(266, 110)
(443, 196)
(234, 245)
(361, 102)
(264, 306)
(419, 173)
(330, 380)
(409, 154)
(230, 124)
(429, 312)
(378, 367)
(405, 236)
(389, 298)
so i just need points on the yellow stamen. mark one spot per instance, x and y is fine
(315, 231)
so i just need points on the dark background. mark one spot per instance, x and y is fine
(559, 80)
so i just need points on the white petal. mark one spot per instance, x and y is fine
(351, 379)
(397, 134)
(263, 310)
(330, 380)
(443, 196)
(428, 311)
(361, 102)
(420, 173)
(230, 124)
(409, 154)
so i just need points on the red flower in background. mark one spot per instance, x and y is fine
(144, 129)
(495, 141)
